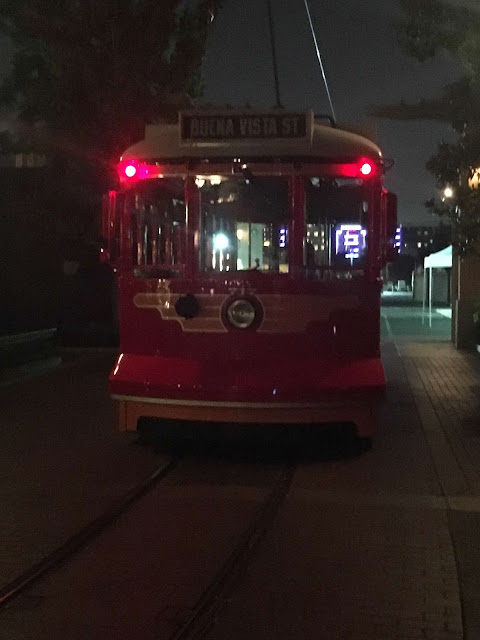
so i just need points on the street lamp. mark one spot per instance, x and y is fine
(447, 193)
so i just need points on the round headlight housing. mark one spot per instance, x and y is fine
(241, 313)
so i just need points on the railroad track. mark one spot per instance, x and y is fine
(208, 603)
(26, 354)
(75, 543)
(20, 348)
(212, 597)
(216, 593)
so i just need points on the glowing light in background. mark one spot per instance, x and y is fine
(220, 242)
(448, 192)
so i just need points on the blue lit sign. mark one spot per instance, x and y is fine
(350, 241)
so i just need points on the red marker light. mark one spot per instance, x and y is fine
(366, 168)
(130, 170)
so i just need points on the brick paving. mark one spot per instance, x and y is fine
(446, 387)
(386, 573)
(402, 561)
(449, 382)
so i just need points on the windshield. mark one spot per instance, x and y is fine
(336, 230)
(158, 222)
(244, 223)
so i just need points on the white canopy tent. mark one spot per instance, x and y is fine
(440, 260)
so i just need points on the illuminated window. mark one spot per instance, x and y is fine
(337, 218)
(244, 225)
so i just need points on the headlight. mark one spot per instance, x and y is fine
(241, 313)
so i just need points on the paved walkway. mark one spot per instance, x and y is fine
(415, 324)
(445, 386)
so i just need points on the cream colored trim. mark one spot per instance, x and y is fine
(288, 313)
(230, 405)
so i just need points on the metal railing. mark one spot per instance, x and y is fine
(23, 348)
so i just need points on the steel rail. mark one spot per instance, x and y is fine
(213, 597)
(78, 540)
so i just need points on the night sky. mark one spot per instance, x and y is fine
(363, 64)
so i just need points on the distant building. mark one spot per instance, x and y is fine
(23, 160)
(413, 245)
(419, 242)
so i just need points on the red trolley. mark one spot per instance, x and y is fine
(248, 248)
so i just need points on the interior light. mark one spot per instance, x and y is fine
(350, 227)
(215, 180)
(199, 182)
(220, 242)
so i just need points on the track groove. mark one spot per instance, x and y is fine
(76, 542)
(211, 600)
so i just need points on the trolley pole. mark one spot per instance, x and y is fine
(274, 54)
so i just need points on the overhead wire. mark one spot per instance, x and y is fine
(320, 59)
(274, 53)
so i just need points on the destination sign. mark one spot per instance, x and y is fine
(255, 126)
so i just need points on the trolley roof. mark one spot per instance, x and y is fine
(316, 141)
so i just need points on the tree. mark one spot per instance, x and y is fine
(89, 74)
(97, 70)
(430, 26)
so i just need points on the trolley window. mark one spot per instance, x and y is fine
(244, 223)
(336, 229)
(158, 226)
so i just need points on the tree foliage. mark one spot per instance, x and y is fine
(91, 73)
(428, 27)
(87, 75)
